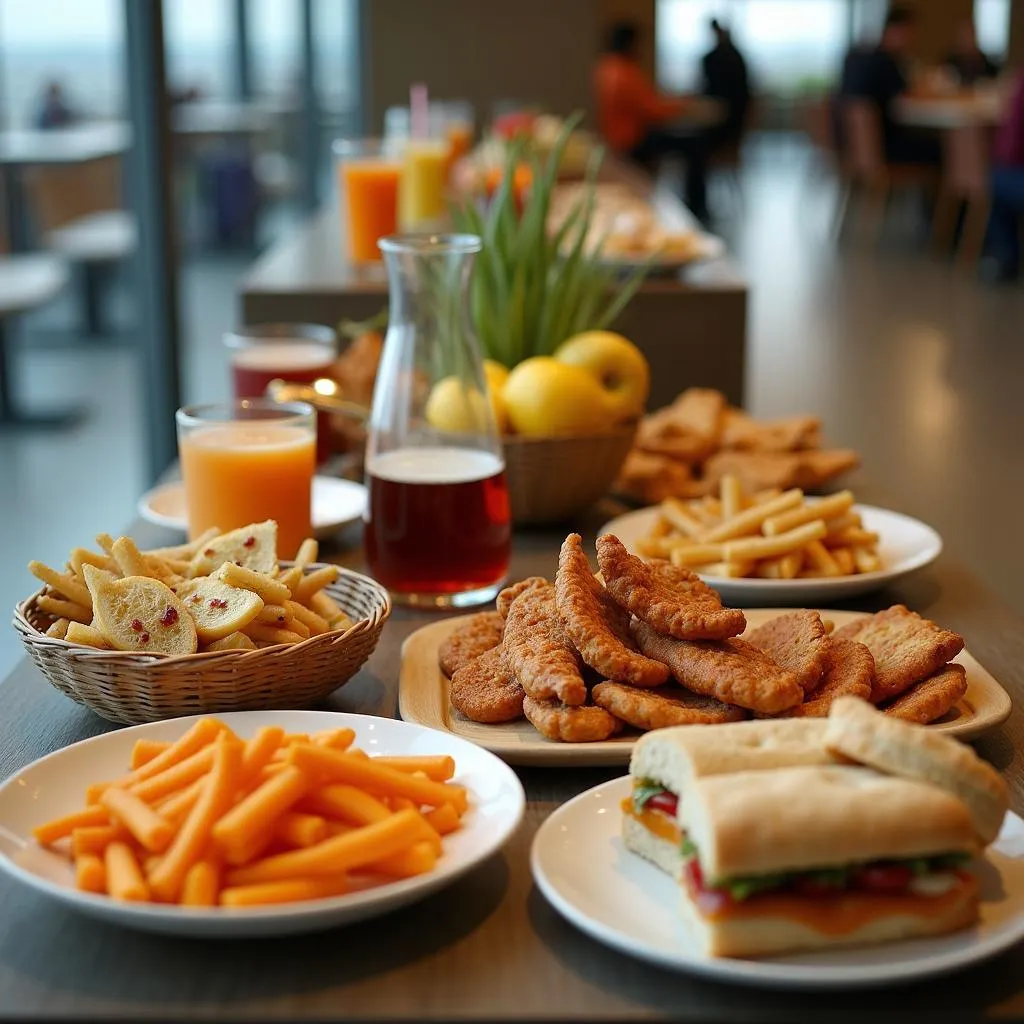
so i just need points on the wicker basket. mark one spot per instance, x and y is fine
(553, 478)
(126, 687)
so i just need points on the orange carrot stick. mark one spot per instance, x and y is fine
(156, 787)
(346, 802)
(175, 807)
(145, 750)
(90, 874)
(290, 890)
(201, 885)
(49, 832)
(255, 814)
(124, 877)
(203, 732)
(442, 819)
(259, 750)
(298, 829)
(95, 838)
(417, 859)
(151, 830)
(336, 739)
(438, 767)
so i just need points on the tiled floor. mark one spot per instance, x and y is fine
(914, 365)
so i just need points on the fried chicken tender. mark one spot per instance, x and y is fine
(671, 599)
(556, 721)
(731, 671)
(505, 597)
(906, 647)
(485, 692)
(797, 642)
(849, 671)
(469, 641)
(666, 706)
(931, 698)
(653, 478)
(537, 652)
(597, 625)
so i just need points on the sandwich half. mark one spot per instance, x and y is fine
(666, 762)
(814, 857)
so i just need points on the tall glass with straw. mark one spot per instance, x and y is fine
(422, 200)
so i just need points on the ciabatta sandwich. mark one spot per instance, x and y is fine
(813, 857)
(666, 762)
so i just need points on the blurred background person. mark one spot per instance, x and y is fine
(634, 118)
(1002, 260)
(53, 109)
(967, 60)
(878, 75)
(726, 80)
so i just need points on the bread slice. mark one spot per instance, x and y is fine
(217, 608)
(773, 924)
(659, 851)
(142, 615)
(254, 547)
(795, 819)
(857, 731)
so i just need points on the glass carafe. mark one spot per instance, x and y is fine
(438, 529)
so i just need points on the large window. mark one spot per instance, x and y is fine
(788, 43)
(199, 40)
(992, 21)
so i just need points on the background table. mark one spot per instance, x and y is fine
(487, 947)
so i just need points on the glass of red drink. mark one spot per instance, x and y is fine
(297, 353)
(438, 524)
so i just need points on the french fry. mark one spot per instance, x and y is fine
(308, 550)
(145, 750)
(836, 524)
(293, 890)
(439, 767)
(675, 512)
(325, 606)
(60, 608)
(825, 508)
(129, 558)
(731, 496)
(771, 547)
(346, 852)
(316, 624)
(83, 556)
(338, 739)
(661, 528)
(59, 629)
(201, 885)
(124, 876)
(96, 838)
(51, 831)
(785, 567)
(273, 615)
(271, 635)
(63, 582)
(865, 560)
(272, 591)
(336, 766)
(760, 497)
(844, 559)
(704, 516)
(290, 577)
(298, 829)
(817, 557)
(232, 642)
(106, 542)
(732, 570)
(660, 547)
(852, 537)
(87, 636)
(750, 520)
(90, 874)
(294, 626)
(314, 581)
(696, 554)
(191, 839)
(149, 828)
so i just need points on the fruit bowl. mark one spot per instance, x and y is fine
(553, 478)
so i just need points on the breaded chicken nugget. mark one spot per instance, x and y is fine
(536, 651)
(587, 724)
(666, 706)
(672, 599)
(906, 647)
(485, 692)
(931, 698)
(469, 641)
(849, 671)
(597, 625)
(731, 671)
(797, 642)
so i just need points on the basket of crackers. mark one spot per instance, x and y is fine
(215, 625)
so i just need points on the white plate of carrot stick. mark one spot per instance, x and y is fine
(255, 823)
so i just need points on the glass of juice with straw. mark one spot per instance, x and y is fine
(368, 177)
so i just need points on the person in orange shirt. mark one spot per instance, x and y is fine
(633, 116)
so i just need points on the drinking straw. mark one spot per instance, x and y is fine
(419, 110)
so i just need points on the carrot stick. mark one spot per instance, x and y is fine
(440, 768)
(256, 813)
(442, 819)
(95, 839)
(336, 739)
(201, 885)
(188, 845)
(290, 890)
(90, 874)
(145, 750)
(347, 852)
(175, 807)
(347, 803)
(417, 859)
(298, 829)
(174, 778)
(124, 877)
(152, 831)
(203, 732)
(49, 832)
(259, 750)
(336, 766)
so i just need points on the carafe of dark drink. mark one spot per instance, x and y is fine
(438, 529)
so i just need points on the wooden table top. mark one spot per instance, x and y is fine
(487, 947)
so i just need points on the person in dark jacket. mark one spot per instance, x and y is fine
(967, 60)
(726, 79)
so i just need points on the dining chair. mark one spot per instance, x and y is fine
(964, 184)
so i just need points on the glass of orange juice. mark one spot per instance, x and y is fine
(368, 175)
(246, 461)
(459, 123)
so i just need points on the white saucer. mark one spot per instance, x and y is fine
(581, 865)
(336, 503)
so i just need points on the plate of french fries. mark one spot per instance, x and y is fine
(255, 823)
(780, 546)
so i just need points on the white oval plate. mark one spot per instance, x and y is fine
(336, 503)
(581, 865)
(906, 544)
(55, 785)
